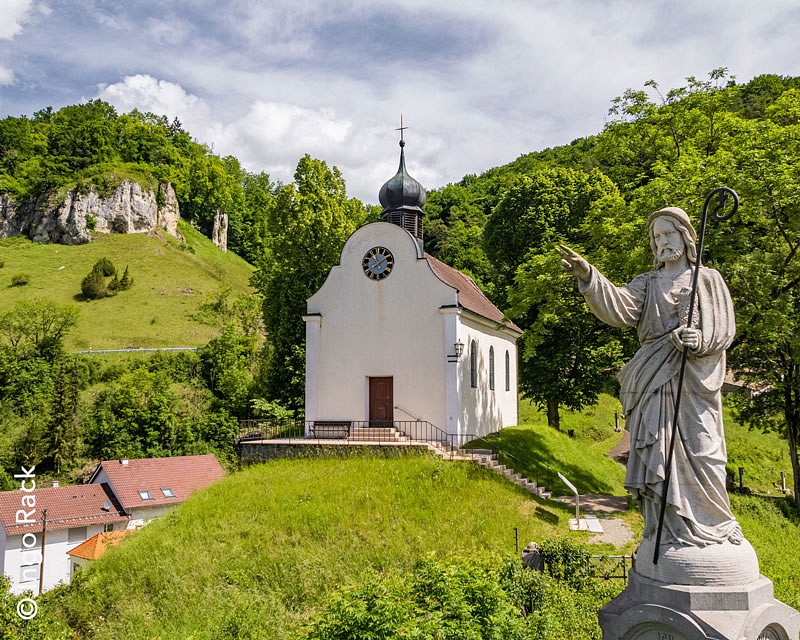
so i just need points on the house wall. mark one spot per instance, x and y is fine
(57, 564)
(140, 516)
(358, 328)
(3, 547)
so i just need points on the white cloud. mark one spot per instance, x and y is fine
(14, 13)
(271, 136)
(145, 93)
(268, 82)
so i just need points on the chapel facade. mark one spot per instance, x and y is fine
(396, 336)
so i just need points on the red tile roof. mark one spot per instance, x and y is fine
(96, 546)
(183, 475)
(67, 507)
(470, 297)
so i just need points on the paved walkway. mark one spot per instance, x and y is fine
(621, 449)
(598, 503)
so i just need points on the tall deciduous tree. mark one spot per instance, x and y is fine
(39, 325)
(566, 355)
(308, 224)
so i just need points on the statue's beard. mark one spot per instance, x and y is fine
(670, 254)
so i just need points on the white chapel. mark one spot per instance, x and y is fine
(396, 336)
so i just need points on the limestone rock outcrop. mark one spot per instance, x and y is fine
(219, 234)
(129, 209)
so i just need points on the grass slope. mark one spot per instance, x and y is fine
(171, 282)
(545, 451)
(540, 452)
(258, 553)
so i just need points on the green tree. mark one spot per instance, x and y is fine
(61, 438)
(566, 356)
(39, 325)
(93, 286)
(137, 416)
(308, 225)
(455, 219)
(228, 364)
(757, 252)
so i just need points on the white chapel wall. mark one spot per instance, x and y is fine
(367, 328)
(485, 410)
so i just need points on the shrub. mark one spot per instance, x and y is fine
(126, 282)
(20, 279)
(93, 286)
(106, 267)
(457, 599)
(91, 222)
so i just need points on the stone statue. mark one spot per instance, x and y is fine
(657, 304)
(706, 582)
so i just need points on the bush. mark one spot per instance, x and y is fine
(126, 282)
(93, 286)
(457, 599)
(20, 280)
(105, 266)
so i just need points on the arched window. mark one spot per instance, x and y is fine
(508, 372)
(491, 368)
(473, 364)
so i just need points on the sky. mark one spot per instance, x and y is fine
(478, 83)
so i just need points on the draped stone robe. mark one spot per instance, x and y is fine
(698, 512)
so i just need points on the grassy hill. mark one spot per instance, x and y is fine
(172, 280)
(261, 553)
(257, 554)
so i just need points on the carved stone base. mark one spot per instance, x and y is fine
(652, 610)
(716, 564)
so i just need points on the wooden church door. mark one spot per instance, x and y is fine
(381, 401)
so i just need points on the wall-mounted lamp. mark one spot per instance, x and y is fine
(459, 349)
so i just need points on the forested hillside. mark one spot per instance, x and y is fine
(63, 412)
(91, 145)
(659, 147)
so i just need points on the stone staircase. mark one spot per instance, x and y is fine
(487, 459)
(377, 434)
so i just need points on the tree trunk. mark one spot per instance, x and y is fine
(792, 435)
(552, 414)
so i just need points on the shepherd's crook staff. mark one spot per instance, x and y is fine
(721, 194)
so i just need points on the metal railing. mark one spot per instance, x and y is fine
(609, 567)
(378, 432)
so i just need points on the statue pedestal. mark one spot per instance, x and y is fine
(651, 610)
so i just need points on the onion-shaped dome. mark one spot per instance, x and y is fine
(402, 199)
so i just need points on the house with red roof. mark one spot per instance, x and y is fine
(41, 526)
(149, 487)
(394, 335)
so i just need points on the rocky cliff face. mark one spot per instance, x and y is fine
(130, 209)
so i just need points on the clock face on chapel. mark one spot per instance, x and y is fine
(378, 263)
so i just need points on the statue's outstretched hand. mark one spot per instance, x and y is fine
(574, 263)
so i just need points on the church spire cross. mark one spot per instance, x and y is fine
(401, 130)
